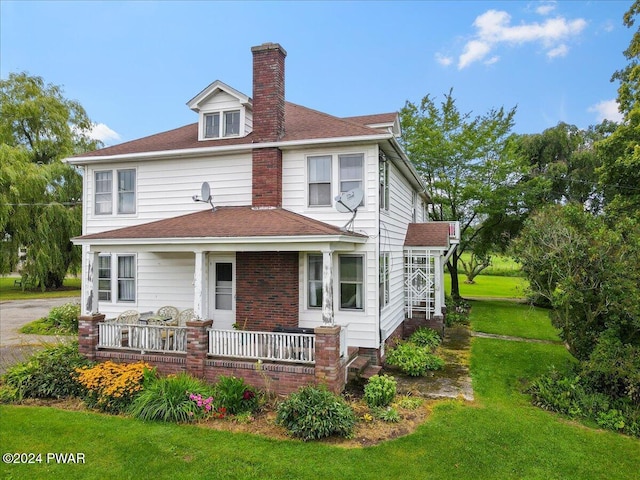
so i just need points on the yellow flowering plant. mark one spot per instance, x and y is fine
(111, 387)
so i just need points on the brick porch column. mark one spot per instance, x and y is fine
(197, 346)
(329, 369)
(88, 334)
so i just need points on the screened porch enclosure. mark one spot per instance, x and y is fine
(420, 281)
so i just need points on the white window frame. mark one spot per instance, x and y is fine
(114, 196)
(222, 124)
(384, 171)
(314, 281)
(108, 280)
(114, 291)
(384, 279)
(336, 179)
(105, 196)
(361, 283)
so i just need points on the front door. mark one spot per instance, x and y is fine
(222, 291)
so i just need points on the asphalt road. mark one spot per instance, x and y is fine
(15, 346)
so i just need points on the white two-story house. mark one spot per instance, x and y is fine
(271, 250)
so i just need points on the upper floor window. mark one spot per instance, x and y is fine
(320, 180)
(125, 194)
(384, 183)
(228, 127)
(324, 184)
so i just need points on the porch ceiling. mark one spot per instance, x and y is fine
(227, 225)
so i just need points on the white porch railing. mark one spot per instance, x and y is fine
(146, 338)
(281, 347)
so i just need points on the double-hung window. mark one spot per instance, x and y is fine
(351, 282)
(384, 183)
(222, 124)
(351, 168)
(124, 194)
(384, 280)
(117, 273)
(320, 180)
(314, 281)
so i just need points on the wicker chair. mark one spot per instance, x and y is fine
(186, 315)
(128, 316)
(168, 312)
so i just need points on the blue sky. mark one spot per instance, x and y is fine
(134, 65)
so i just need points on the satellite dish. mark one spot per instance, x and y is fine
(205, 195)
(349, 201)
(205, 192)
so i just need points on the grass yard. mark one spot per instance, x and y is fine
(499, 436)
(503, 317)
(500, 265)
(489, 286)
(9, 291)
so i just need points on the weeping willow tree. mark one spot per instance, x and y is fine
(40, 209)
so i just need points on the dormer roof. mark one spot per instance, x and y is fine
(201, 99)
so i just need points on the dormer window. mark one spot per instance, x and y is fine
(229, 127)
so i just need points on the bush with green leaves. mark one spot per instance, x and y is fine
(176, 398)
(380, 391)
(235, 395)
(388, 414)
(425, 337)
(61, 320)
(49, 373)
(413, 360)
(312, 413)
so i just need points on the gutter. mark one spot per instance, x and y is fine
(205, 151)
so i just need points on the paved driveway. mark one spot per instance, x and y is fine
(16, 346)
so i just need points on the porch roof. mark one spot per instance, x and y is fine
(224, 223)
(430, 234)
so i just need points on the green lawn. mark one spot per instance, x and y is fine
(509, 318)
(9, 291)
(499, 436)
(489, 286)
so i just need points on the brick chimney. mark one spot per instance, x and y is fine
(268, 123)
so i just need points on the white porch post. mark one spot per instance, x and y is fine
(200, 284)
(438, 294)
(90, 283)
(327, 287)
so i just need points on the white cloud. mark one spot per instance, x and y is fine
(546, 8)
(492, 60)
(559, 51)
(101, 132)
(494, 28)
(443, 60)
(607, 110)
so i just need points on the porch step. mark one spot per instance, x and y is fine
(370, 371)
(358, 365)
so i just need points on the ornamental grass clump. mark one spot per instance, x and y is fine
(111, 387)
(312, 413)
(176, 398)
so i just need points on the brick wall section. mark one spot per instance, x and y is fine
(267, 290)
(88, 334)
(330, 370)
(197, 347)
(266, 177)
(268, 92)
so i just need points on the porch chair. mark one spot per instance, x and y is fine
(168, 312)
(126, 317)
(185, 316)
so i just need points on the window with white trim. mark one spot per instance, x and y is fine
(384, 280)
(314, 281)
(117, 273)
(351, 282)
(384, 182)
(104, 277)
(126, 278)
(222, 124)
(319, 180)
(123, 193)
(351, 171)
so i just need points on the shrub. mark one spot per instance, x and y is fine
(235, 395)
(111, 387)
(425, 337)
(380, 391)
(176, 398)
(312, 413)
(388, 414)
(61, 320)
(49, 373)
(413, 360)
